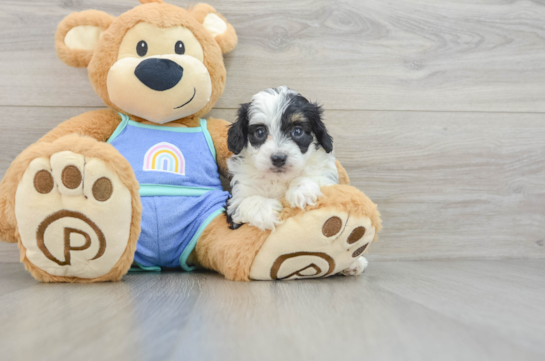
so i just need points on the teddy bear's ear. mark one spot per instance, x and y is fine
(217, 26)
(78, 34)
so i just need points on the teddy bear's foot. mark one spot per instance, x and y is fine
(74, 218)
(319, 243)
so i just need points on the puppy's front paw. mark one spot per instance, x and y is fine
(260, 212)
(302, 193)
(356, 268)
(267, 217)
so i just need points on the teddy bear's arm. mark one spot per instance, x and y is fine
(97, 124)
(218, 131)
(343, 176)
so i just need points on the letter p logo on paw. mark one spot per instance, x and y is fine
(318, 243)
(68, 232)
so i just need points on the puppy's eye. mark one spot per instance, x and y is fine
(297, 132)
(260, 133)
(179, 48)
(142, 48)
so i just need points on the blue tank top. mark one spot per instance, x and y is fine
(168, 161)
(180, 188)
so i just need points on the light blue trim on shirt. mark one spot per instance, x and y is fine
(187, 251)
(208, 138)
(153, 190)
(166, 128)
(124, 121)
(141, 268)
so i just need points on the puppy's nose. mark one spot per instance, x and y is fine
(159, 74)
(278, 160)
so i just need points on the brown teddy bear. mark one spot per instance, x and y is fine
(138, 183)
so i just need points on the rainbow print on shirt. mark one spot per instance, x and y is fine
(165, 157)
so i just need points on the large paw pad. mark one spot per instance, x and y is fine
(314, 244)
(74, 215)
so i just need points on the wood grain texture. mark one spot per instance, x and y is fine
(373, 54)
(448, 185)
(434, 107)
(455, 310)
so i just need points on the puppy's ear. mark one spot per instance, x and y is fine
(314, 116)
(238, 132)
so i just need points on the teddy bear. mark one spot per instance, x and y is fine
(138, 183)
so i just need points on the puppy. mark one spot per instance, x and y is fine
(281, 148)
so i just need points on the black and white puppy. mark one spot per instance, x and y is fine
(281, 148)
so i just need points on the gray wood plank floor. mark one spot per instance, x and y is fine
(350, 54)
(456, 310)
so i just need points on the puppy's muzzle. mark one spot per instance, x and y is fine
(279, 160)
(159, 74)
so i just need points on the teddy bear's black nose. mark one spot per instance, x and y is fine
(159, 74)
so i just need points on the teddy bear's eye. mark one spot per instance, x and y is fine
(142, 48)
(179, 48)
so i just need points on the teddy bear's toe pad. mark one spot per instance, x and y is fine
(314, 244)
(73, 214)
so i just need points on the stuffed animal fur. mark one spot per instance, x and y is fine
(79, 203)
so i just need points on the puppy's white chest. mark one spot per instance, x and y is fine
(275, 189)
